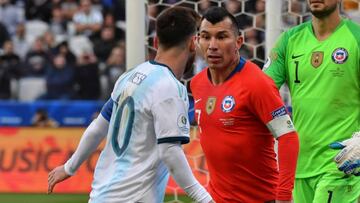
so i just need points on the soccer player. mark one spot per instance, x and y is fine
(320, 62)
(146, 122)
(239, 112)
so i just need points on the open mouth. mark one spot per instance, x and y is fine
(316, 2)
(213, 57)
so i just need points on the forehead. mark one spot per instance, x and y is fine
(324, 1)
(222, 26)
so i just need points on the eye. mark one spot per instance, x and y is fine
(204, 36)
(221, 37)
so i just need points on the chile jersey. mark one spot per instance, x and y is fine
(238, 121)
(324, 81)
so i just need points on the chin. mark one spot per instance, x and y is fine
(213, 66)
(316, 9)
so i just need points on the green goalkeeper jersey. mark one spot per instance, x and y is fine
(324, 82)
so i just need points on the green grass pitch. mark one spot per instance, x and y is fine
(61, 198)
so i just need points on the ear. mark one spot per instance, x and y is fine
(156, 42)
(197, 39)
(239, 42)
(193, 44)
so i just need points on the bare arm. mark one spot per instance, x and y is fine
(174, 158)
(89, 142)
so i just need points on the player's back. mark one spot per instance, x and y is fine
(129, 167)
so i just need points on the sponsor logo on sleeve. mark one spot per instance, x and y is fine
(290, 124)
(183, 124)
(273, 56)
(279, 112)
(267, 63)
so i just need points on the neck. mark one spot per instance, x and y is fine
(219, 75)
(174, 58)
(323, 27)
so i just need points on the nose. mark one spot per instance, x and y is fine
(213, 44)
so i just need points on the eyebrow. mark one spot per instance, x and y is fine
(220, 32)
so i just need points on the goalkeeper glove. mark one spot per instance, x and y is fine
(348, 159)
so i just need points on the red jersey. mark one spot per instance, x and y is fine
(238, 146)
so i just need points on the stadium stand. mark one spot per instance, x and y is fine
(30, 20)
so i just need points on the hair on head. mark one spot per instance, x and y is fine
(175, 25)
(217, 14)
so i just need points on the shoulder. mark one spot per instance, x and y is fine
(354, 29)
(294, 31)
(299, 28)
(165, 84)
(168, 89)
(252, 69)
(256, 79)
(352, 24)
(168, 83)
(199, 78)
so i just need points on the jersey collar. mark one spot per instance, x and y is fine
(238, 68)
(310, 26)
(161, 64)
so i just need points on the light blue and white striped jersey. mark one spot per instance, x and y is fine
(148, 106)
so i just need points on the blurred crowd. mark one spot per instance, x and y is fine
(75, 49)
(250, 15)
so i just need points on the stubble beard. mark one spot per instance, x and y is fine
(189, 64)
(323, 13)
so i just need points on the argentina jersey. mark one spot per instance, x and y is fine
(148, 106)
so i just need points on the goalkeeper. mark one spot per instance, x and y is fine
(319, 61)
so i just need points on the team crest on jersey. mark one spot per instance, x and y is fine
(210, 105)
(339, 55)
(228, 104)
(317, 58)
(182, 123)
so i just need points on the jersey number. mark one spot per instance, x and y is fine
(297, 72)
(198, 112)
(330, 196)
(129, 121)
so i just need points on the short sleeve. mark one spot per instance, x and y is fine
(266, 103)
(275, 65)
(106, 110)
(171, 120)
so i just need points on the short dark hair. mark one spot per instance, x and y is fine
(175, 25)
(217, 14)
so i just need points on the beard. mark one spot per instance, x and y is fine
(324, 13)
(189, 64)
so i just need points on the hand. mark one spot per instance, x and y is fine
(348, 159)
(56, 176)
